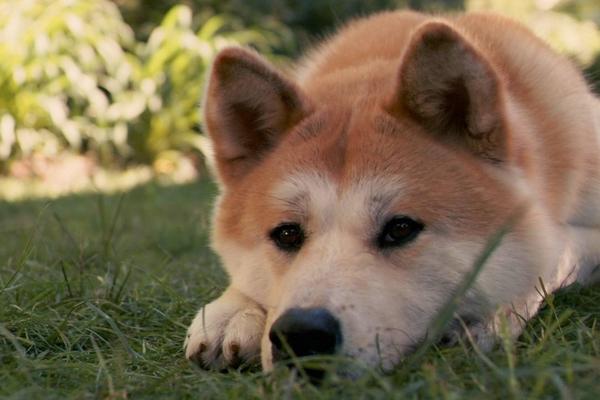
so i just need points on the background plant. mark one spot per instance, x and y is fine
(73, 77)
(120, 81)
(63, 67)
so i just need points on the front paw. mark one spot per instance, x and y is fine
(226, 333)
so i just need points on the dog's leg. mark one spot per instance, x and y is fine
(485, 333)
(226, 332)
(587, 242)
(580, 262)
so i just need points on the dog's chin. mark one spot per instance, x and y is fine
(348, 366)
(320, 371)
(354, 367)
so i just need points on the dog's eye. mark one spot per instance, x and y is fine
(398, 231)
(288, 236)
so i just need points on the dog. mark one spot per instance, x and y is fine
(357, 194)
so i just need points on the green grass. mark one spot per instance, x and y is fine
(96, 293)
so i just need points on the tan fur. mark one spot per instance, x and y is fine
(460, 122)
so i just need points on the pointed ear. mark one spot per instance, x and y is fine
(249, 107)
(448, 86)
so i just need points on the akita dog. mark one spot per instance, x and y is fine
(357, 195)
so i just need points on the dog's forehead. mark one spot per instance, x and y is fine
(322, 196)
(349, 159)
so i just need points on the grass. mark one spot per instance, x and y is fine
(96, 292)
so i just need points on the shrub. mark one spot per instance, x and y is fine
(173, 64)
(73, 77)
(64, 65)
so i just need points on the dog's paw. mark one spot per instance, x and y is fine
(226, 333)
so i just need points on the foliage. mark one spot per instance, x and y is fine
(173, 64)
(96, 293)
(572, 27)
(559, 22)
(65, 74)
(73, 76)
(307, 19)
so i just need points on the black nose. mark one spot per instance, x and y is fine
(306, 332)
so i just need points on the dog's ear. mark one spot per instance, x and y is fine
(248, 107)
(447, 85)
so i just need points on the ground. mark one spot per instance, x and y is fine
(96, 293)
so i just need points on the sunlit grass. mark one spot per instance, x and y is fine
(96, 292)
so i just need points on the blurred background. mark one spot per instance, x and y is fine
(103, 95)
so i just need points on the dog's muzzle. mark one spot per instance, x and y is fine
(304, 332)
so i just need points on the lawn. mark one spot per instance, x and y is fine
(96, 292)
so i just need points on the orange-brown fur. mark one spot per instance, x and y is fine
(354, 112)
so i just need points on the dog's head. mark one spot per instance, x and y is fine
(352, 219)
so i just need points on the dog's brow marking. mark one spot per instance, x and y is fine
(311, 194)
(307, 192)
(379, 204)
(296, 204)
(376, 195)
